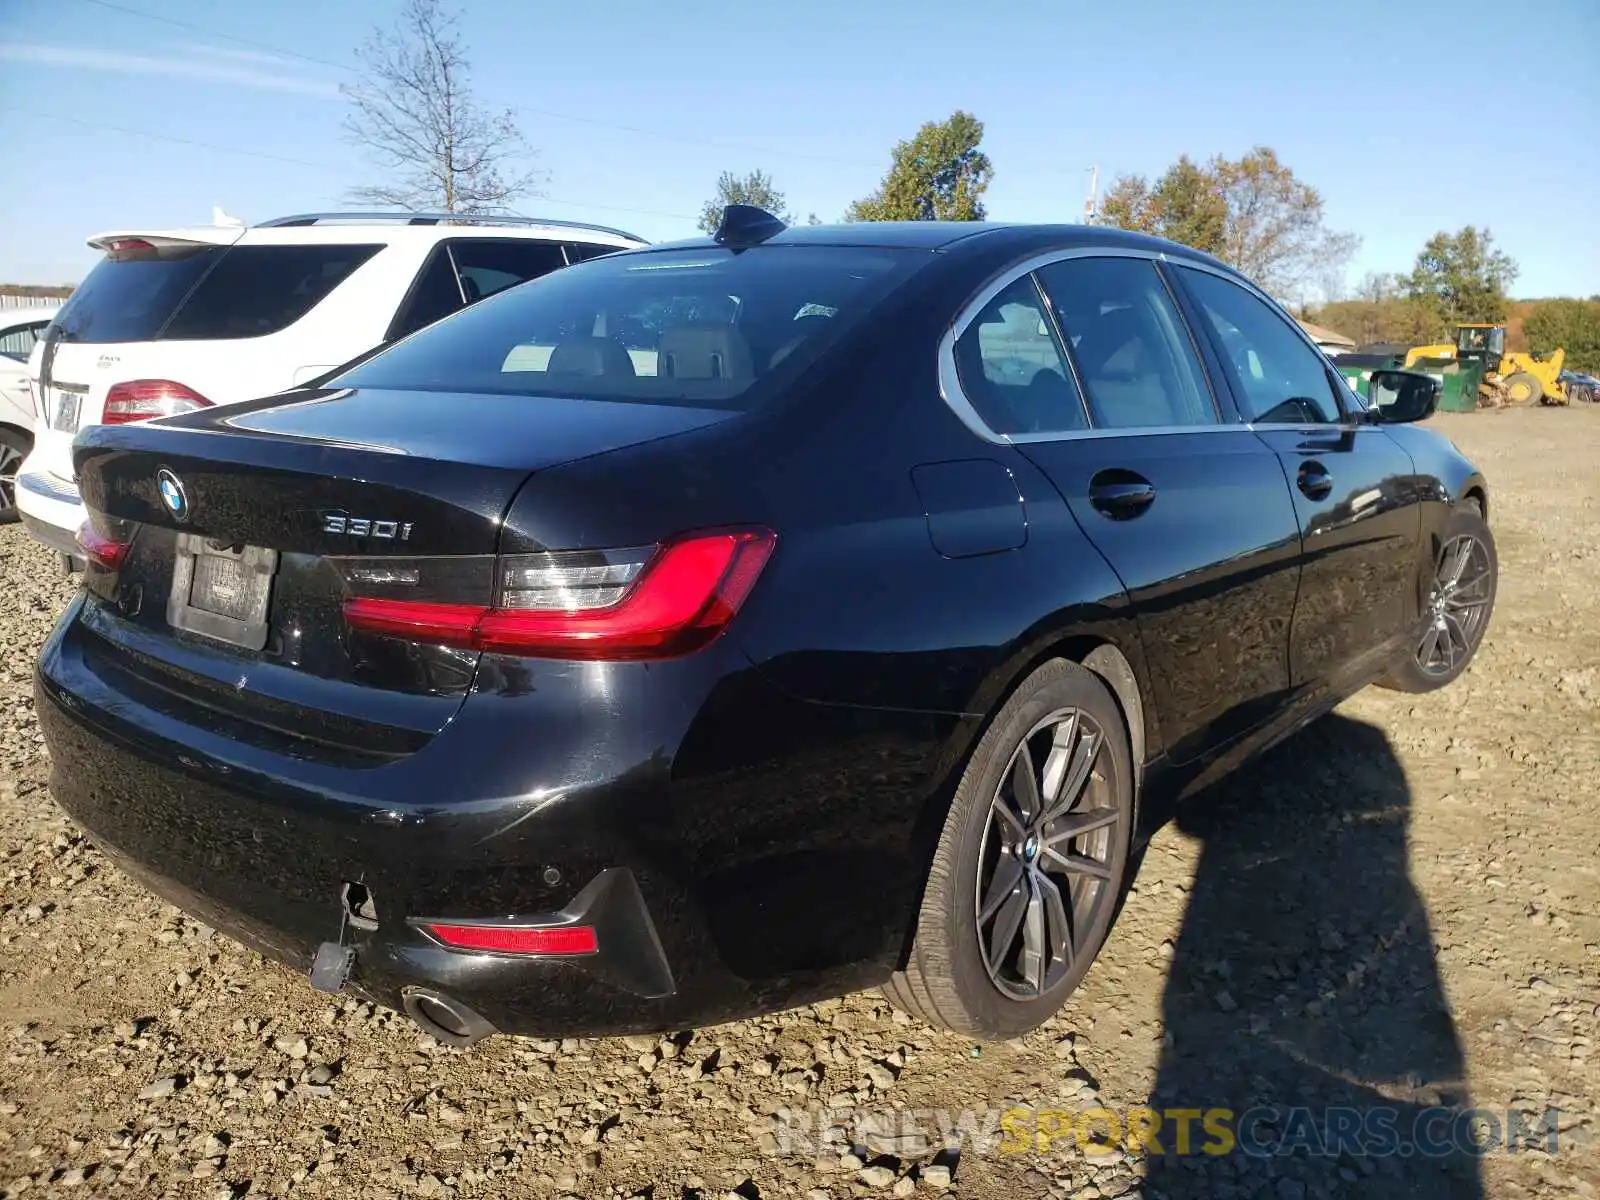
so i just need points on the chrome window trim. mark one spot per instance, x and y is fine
(950, 380)
(956, 400)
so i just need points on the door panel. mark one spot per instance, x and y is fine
(1192, 514)
(1353, 487)
(1357, 503)
(1209, 555)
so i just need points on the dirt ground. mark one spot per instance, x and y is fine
(1398, 909)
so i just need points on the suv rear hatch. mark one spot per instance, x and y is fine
(139, 338)
(227, 547)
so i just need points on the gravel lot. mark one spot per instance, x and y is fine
(1401, 906)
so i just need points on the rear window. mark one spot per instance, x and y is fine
(128, 297)
(150, 293)
(701, 327)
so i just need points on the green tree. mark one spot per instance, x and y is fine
(1570, 325)
(1380, 312)
(1461, 277)
(1184, 205)
(1251, 211)
(755, 188)
(939, 175)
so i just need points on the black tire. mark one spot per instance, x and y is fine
(947, 980)
(1425, 666)
(14, 447)
(1522, 389)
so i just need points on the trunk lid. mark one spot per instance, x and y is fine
(248, 528)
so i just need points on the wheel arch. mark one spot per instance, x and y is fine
(1117, 661)
(1115, 658)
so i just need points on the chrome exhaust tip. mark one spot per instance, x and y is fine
(445, 1019)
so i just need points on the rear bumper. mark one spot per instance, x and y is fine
(735, 893)
(51, 511)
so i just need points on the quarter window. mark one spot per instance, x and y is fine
(1012, 369)
(1278, 377)
(1133, 352)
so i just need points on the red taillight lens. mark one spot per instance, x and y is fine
(517, 939)
(146, 399)
(101, 550)
(611, 606)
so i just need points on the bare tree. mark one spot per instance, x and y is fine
(416, 116)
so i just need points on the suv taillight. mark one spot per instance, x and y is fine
(610, 605)
(146, 399)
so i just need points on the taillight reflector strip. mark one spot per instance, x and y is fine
(683, 597)
(100, 549)
(517, 939)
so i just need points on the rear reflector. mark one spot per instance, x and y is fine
(146, 399)
(101, 550)
(518, 939)
(610, 605)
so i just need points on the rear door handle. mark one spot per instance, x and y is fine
(1121, 495)
(1315, 481)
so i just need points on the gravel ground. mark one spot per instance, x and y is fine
(1399, 907)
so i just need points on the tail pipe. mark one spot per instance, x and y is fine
(445, 1018)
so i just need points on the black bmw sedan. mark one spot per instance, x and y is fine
(719, 626)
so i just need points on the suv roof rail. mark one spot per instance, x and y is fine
(438, 218)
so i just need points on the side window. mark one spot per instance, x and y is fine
(1012, 368)
(17, 342)
(257, 290)
(1279, 378)
(490, 265)
(1133, 352)
(435, 294)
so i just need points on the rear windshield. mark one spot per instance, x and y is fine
(702, 326)
(129, 297)
(151, 293)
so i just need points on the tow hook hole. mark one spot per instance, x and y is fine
(360, 908)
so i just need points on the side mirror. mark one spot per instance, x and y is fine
(1400, 397)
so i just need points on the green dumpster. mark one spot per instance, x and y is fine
(1458, 384)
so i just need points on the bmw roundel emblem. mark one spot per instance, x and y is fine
(173, 497)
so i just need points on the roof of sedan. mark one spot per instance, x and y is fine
(937, 235)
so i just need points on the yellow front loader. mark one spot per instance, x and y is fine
(1514, 378)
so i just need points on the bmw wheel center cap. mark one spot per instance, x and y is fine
(173, 497)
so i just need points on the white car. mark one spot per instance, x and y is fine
(175, 319)
(20, 328)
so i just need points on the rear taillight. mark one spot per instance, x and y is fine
(101, 550)
(146, 399)
(654, 602)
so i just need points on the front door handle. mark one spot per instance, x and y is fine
(1121, 495)
(1315, 481)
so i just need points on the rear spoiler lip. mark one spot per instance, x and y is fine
(199, 235)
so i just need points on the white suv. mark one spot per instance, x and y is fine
(176, 319)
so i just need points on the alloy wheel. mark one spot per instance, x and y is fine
(1045, 862)
(10, 463)
(1458, 605)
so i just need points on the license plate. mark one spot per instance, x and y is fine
(221, 592)
(64, 409)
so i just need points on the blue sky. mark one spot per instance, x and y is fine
(637, 107)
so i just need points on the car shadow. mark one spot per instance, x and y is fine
(1304, 995)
